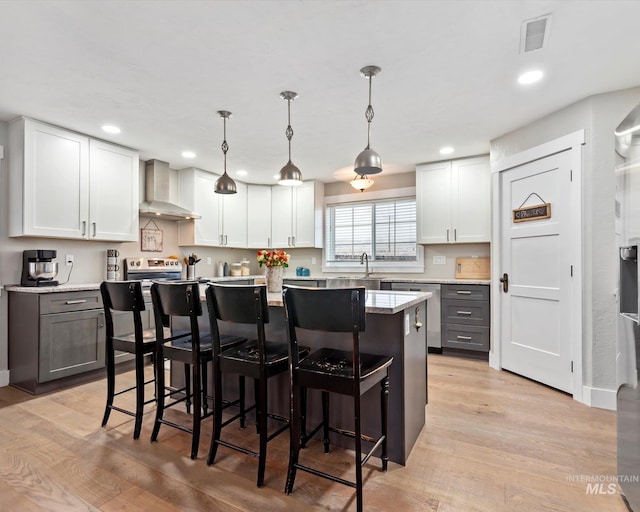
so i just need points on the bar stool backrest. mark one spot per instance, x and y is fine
(177, 299)
(326, 309)
(123, 296)
(332, 310)
(240, 304)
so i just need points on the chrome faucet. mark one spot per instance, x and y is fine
(364, 260)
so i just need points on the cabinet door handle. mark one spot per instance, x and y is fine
(94, 229)
(466, 338)
(464, 312)
(269, 242)
(101, 324)
(293, 241)
(289, 241)
(447, 235)
(84, 227)
(455, 235)
(220, 240)
(463, 292)
(225, 240)
(79, 301)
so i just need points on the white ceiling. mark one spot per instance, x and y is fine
(161, 69)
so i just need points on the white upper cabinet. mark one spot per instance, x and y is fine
(453, 201)
(296, 215)
(224, 216)
(65, 185)
(234, 217)
(113, 192)
(258, 216)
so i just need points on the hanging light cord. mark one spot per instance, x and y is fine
(369, 115)
(225, 146)
(289, 130)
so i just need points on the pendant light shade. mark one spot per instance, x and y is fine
(368, 161)
(225, 184)
(289, 175)
(361, 183)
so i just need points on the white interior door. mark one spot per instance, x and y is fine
(536, 309)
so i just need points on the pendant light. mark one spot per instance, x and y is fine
(361, 183)
(289, 175)
(368, 161)
(225, 184)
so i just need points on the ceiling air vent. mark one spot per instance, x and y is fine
(534, 33)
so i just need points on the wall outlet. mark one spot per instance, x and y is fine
(313, 260)
(68, 258)
(439, 260)
(208, 260)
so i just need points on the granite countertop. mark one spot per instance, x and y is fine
(257, 277)
(387, 302)
(52, 289)
(422, 280)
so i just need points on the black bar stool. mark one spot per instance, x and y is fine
(127, 296)
(346, 372)
(182, 299)
(258, 358)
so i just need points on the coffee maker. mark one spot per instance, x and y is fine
(38, 269)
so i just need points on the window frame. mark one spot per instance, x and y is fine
(377, 266)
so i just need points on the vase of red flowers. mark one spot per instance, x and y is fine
(275, 261)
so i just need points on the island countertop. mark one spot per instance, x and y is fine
(386, 302)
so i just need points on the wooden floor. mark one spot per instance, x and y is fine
(493, 442)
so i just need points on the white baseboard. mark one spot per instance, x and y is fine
(599, 397)
(4, 378)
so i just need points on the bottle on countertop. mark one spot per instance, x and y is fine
(220, 271)
(226, 269)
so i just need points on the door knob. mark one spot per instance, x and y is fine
(505, 282)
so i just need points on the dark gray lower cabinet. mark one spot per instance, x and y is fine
(70, 343)
(54, 337)
(465, 316)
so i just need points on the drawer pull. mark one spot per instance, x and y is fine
(464, 312)
(463, 292)
(80, 301)
(466, 338)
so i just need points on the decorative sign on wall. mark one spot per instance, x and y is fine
(535, 212)
(151, 237)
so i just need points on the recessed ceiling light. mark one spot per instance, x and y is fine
(109, 128)
(188, 154)
(447, 150)
(530, 77)
(242, 172)
(276, 176)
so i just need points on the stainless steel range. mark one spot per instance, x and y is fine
(152, 269)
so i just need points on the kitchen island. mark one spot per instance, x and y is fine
(395, 326)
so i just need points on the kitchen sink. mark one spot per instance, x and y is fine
(370, 283)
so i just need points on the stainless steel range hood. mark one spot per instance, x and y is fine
(157, 197)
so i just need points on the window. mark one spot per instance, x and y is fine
(385, 230)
